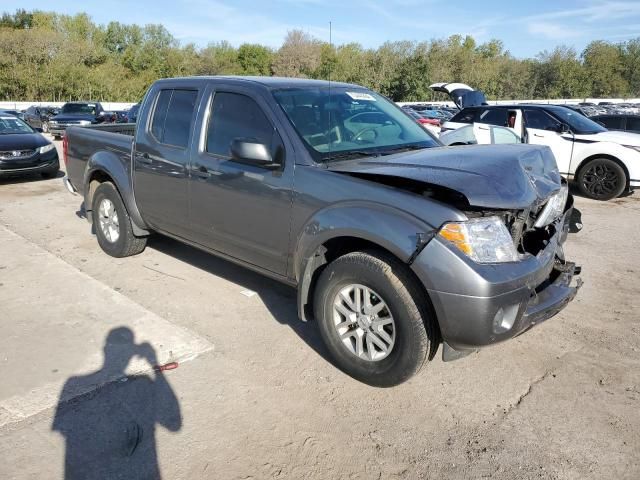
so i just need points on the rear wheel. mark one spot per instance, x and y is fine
(602, 179)
(112, 223)
(373, 318)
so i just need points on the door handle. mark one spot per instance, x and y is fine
(538, 135)
(202, 171)
(144, 158)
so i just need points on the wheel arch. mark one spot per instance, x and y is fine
(586, 160)
(107, 167)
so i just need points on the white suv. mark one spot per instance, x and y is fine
(603, 164)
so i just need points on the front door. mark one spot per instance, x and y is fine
(161, 160)
(543, 129)
(239, 209)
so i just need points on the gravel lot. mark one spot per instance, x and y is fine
(256, 393)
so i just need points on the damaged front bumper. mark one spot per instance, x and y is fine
(482, 304)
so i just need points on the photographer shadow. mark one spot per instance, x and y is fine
(110, 432)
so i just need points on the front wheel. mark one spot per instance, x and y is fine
(45, 127)
(601, 179)
(373, 318)
(112, 223)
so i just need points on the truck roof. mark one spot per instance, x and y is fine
(269, 82)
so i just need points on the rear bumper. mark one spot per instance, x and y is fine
(478, 305)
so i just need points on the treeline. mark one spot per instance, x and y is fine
(46, 56)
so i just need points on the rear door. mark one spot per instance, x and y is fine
(633, 124)
(161, 160)
(543, 129)
(239, 209)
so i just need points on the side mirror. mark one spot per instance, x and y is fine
(252, 152)
(563, 128)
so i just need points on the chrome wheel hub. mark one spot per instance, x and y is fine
(364, 322)
(108, 219)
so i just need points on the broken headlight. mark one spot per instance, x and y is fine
(484, 240)
(554, 208)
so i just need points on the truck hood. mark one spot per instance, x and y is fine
(67, 117)
(489, 176)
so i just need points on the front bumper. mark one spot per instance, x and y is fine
(35, 164)
(478, 305)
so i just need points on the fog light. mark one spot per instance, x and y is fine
(505, 318)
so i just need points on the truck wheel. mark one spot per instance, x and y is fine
(112, 224)
(373, 318)
(601, 179)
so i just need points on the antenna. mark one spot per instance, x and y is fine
(331, 49)
(330, 68)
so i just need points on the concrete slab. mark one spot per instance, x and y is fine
(69, 321)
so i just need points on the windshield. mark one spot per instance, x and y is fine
(342, 122)
(85, 108)
(576, 121)
(9, 125)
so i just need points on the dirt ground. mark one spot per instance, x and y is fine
(255, 395)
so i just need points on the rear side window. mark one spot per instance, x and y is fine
(633, 124)
(173, 117)
(467, 115)
(539, 120)
(236, 116)
(494, 116)
(613, 123)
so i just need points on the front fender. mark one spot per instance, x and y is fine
(392, 229)
(116, 165)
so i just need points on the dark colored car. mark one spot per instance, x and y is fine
(15, 113)
(24, 150)
(77, 114)
(38, 117)
(394, 242)
(132, 115)
(623, 123)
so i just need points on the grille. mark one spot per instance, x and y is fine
(16, 154)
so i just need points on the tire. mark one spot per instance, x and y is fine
(45, 127)
(114, 232)
(389, 281)
(601, 179)
(57, 137)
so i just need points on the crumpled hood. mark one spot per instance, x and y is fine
(489, 176)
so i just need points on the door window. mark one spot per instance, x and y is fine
(236, 116)
(540, 120)
(173, 117)
(494, 116)
(467, 115)
(633, 124)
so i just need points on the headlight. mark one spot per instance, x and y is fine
(53, 122)
(484, 240)
(554, 208)
(47, 148)
(84, 122)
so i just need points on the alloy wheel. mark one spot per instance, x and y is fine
(108, 219)
(364, 322)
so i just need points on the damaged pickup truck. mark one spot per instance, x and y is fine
(395, 243)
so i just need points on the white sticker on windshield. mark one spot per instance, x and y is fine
(361, 96)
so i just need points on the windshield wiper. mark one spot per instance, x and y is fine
(402, 148)
(350, 154)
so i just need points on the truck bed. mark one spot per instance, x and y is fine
(85, 143)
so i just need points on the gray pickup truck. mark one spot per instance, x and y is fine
(395, 243)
